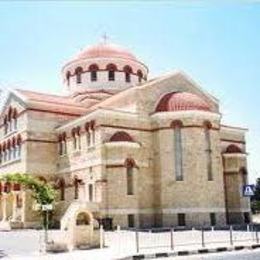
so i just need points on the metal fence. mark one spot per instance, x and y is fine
(158, 240)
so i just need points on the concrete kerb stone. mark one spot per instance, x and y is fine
(2, 254)
(255, 246)
(191, 252)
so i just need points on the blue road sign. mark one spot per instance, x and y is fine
(248, 190)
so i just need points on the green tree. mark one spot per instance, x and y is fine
(255, 200)
(43, 193)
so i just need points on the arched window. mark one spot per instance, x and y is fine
(68, 77)
(62, 144)
(19, 146)
(130, 184)
(93, 72)
(111, 71)
(88, 136)
(90, 192)
(78, 137)
(140, 76)
(62, 188)
(9, 150)
(14, 118)
(75, 133)
(10, 113)
(10, 120)
(130, 163)
(92, 127)
(128, 70)
(4, 152)
(177, 131)
(5, 125)
(78, 73)
(76, 188)
(13, 148)
(207, 127)
(74, 138)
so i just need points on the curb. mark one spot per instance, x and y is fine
(191, 252)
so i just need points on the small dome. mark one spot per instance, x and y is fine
(121, 136)
(105, 50)
(233, 149)
(178, 101)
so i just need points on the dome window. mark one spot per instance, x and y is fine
(93, 72)
(128, 71)
(78, 73)
(68, 78)
(140, 76)
(111, 72)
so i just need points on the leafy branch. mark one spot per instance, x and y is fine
(42, 192)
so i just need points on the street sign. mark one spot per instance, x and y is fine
(36, 206)
(47, 207)
(248, 190)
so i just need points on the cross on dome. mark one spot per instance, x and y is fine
(105, 38)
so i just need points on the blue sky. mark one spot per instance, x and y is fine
(215, 42)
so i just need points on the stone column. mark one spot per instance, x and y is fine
(23, 209)
(4, 206)
(14, 213)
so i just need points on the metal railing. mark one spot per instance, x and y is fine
(170, 239)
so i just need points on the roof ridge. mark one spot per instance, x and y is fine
(42, 93)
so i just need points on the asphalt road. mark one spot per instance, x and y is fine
(242, 255)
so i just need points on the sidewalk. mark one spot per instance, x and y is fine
(191, 252)
(24, 244)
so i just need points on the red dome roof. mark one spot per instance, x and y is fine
(177, 101)
(105, 50)
(121, 136)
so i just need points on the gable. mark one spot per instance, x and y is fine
(145, 98)
(151, 93)
(14, 100)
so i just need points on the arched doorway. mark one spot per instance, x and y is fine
(82, 219)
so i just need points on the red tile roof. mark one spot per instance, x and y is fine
(48, 98)
(177, 101)
(121, 136)
(107, 50)
(54, 103)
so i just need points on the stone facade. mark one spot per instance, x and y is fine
(120, 157)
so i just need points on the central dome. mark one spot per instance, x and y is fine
(103, 66)
(105, 50)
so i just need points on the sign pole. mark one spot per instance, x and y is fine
(46, 208)
(47, 226)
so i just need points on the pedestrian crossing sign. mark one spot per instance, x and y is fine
(248, 190)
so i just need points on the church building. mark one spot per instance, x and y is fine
(134, 151)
